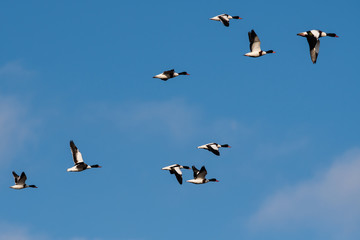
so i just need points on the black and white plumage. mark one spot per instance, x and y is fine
(199, 176)
(175, 169)
(20, 181)
(213, 147)
(312, 37)
(255, 50)
(169, 74)
(78, 160)
(225, 19)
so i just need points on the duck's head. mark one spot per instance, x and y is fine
(184, 73)
(331, 35)
(225, 146)
(213, 180)
(95, 166)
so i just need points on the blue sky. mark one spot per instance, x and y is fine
(83, 70)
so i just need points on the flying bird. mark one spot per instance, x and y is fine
(175, 169)
(225, 19)
(213, 147)
(255, 50)
(199, 176)
(20, 181)
(78, 160)
(312, 37)
(169, 74)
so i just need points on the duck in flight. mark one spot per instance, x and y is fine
(175, 169)
(213, 147)
(255, 50)
(78, 160)
(199, 176)
(312, 37)
(20, 181)
(225, 19)
(169, 74)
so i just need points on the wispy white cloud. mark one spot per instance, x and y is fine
(15, 69)
(15, 127)
(278, 149)
(13, 232)
(327, 204)
(175, 118)
(20, 232)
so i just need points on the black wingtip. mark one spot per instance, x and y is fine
(72, 144)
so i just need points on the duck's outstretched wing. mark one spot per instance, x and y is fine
(314, 45)
(214, 149)
(169, 73)
(225, 20)
(202, 173)
(16, 177)
(77, 157)
(196, 171)
(254, 41)
(22, 179)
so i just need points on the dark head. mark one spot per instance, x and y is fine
(225, 146)
(331, 35)
(236, 17)
(270, 51)
(186, 167)
(33, 186)
(184, 73)
(95, 166)
(213, 180)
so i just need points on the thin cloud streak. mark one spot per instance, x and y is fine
(174, 118)
(15, 232)
(15, 127)
(15, 69)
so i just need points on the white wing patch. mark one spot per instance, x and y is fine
(213, 146)
(178, 171)
(255, 47)
(79, 157)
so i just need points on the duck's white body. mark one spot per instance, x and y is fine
(77, 169)
(164, 76)
(255, 54)
(213, 147)
(20, 182)
(80, 165)
(312, 37)
(19, 186)
(255, 50)
(199, 176)
(175, 169)
(169, 74)
(224, 18)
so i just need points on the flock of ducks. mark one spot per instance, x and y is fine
(312, 37)
(199, 176)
